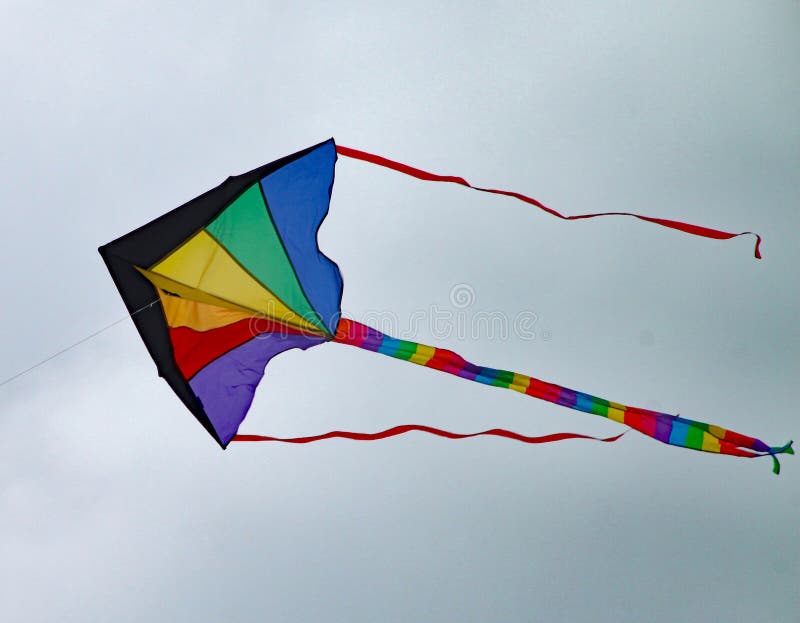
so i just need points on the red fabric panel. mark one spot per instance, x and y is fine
(641, 421)
(352, 333)
(543, 390)
(193, 350)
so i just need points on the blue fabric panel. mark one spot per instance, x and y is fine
(389, 345)
(583, 402)
(679, 433)
(297, 196)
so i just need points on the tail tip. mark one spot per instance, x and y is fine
(785, 449)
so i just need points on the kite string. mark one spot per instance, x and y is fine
(78, 343)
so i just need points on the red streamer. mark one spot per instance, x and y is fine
(688, 228)
(407, 428)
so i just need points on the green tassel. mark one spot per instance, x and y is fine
(787, 449)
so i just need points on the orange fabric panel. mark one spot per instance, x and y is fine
(181, 312)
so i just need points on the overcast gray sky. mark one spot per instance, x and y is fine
(116, 506)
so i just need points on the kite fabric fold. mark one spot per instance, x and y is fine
(221, 285)
(669, 429)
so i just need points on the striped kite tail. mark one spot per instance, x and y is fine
(670, 429)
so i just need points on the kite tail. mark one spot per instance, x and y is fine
(408, 428)
(695, 230)
(670, 429)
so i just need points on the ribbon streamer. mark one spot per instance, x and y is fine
(696, 230)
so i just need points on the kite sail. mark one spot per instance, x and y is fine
(234, 277)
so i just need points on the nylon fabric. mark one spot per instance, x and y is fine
(696, 230)
(203, 264)
(246, 231)
(297, 197)
(663, 427)
(181, 312)
(408, 428)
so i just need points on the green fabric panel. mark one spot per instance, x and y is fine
(246, 230)
(504, 378)
(406, 350)
(600, 406)
(694, 438)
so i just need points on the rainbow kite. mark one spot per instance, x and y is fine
(220, 285)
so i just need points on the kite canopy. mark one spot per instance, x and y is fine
(240, 279)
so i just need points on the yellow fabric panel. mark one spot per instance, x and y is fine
(190, 261)
(520, 383)
(618, 415)
(710, 443)
(423, 354)
(203, 264)
(181, 312)
(717, 431)
(191, 294)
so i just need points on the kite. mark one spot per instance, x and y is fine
(222, 284)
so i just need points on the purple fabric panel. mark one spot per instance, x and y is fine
(373, 340)
(226, 385)
(663, 427)
(470, 371)
(568, 398)
(760, 446)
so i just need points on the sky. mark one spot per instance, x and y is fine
(115, 505)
